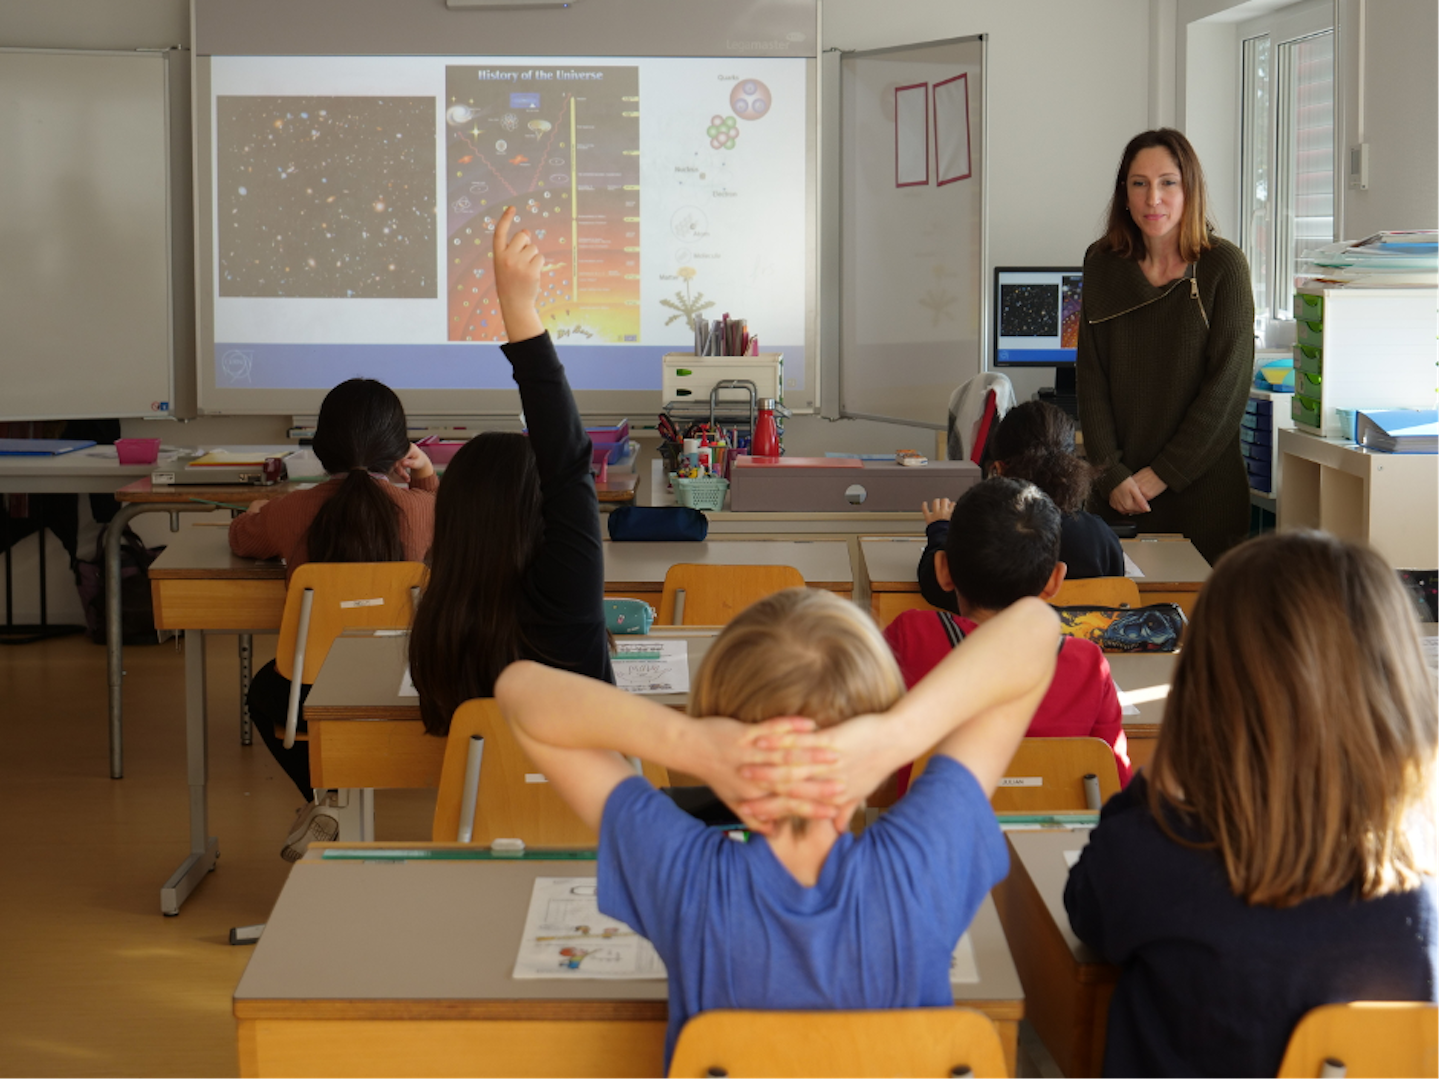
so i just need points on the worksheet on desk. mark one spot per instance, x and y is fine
(651, 666)
(566, 937)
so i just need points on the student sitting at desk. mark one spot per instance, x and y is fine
(1007, 550)
(808, 916)
(361, 514)
(517, 569)
(1271, 862)
(1036, 442)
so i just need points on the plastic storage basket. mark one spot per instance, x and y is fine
(701, 493)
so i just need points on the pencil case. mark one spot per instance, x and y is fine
(658, 523)
(1152, 628)
(625, 615)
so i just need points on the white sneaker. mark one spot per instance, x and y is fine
(312, 824)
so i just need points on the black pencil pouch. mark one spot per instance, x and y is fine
(657, 523)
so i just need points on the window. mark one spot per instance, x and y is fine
(1287, 153)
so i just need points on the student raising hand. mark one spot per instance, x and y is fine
(518, 265)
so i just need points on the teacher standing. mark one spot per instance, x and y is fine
(1166, 353)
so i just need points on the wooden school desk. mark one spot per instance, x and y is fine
(1144, 682)
(403, 969)
(1067, 985)
(197, 587)
(1173, 572)
(638, 569)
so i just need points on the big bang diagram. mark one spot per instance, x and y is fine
(566, 155)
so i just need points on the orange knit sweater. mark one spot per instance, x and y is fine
(278, 528)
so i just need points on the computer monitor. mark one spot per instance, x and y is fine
(1037, 320)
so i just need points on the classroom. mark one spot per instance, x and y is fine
(95, 981)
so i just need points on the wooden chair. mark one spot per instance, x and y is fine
(1102, 591)
(1049, 776)
(887, 1042)
(325, 598)
(700, 594)
(513, 799)
(1364, 1038)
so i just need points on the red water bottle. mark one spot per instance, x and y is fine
(765, 441)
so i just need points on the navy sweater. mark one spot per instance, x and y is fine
(1210, 985)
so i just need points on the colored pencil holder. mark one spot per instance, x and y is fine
(138, 451)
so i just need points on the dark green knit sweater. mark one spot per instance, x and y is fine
(1163, 374)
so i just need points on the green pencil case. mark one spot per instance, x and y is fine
(624, 615)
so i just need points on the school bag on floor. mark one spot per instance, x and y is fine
(137, 612)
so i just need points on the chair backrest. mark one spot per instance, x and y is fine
(886, 1042)
(1104, 591)
(968, 406)
(1048, 776)
(1364, 1038)
(374, 595)
(716, 594)
(514, 799)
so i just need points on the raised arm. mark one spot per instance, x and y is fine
(568, 573)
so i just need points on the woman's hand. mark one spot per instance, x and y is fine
(518, 264)
(1149, 484)
(415, 465)
(1126, 498)
(942, 510)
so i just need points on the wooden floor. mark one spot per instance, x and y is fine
(94, 981)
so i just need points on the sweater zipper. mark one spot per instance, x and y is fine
(1194, 295)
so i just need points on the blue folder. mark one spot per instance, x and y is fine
(43, 447)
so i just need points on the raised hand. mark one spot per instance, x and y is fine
(518, 264)
(941, 512)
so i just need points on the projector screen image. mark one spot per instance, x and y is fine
(355, 200)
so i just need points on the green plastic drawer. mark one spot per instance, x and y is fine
(1308, 332)
(1309, 358)
(1308, 384)
(1305, 410)
(1309, 308)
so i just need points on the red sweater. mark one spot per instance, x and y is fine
(277, 529)
(1081, 700)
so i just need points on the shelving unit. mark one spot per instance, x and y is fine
(1390, 501)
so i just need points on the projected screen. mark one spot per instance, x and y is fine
(353, 202)
(1037, 316)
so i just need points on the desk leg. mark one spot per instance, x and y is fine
(247, 657)
(204, 849)
(114, 642)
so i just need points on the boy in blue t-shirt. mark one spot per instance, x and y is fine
(805, 915)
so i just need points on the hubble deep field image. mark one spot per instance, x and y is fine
(1070, 311)
(326, 196)
(1028, 311)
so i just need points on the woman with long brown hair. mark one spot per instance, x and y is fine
(1274, 856)
(1166, 352)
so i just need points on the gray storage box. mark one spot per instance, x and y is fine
(825, 484)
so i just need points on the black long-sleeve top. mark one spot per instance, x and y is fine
(1089, 548)
(1210, 985)
(561, 611)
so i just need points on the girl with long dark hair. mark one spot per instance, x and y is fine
(517, 569)
(361, 514)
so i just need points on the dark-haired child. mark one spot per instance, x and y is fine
(361, 514)
(1035, 441)
(1007, 550)
(517, 569)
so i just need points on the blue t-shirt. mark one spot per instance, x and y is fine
(737, 931)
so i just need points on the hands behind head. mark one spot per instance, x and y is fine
(518, 265)
(940, 512)
(785, 768)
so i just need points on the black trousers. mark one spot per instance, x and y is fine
(269, 697)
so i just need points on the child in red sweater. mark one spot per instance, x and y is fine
(1008, 549)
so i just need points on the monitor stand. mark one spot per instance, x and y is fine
(1063, 394)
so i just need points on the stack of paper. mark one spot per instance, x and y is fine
(1399, 431)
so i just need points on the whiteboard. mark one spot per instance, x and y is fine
(85, 231)
(911, 228)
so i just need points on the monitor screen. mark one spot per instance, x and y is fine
(1037, 316)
